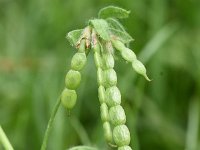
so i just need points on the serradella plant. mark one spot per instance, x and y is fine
(104, 36)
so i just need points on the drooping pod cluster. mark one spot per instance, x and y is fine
(104, 35)
(112, 113)
(73, 77)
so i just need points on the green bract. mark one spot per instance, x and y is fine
(104, 35)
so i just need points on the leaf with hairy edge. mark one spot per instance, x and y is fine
(101, 27)
(124, 37)
(113, 12)
(114, 23)
(74, 36)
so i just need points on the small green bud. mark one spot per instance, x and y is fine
(101, 94)
(100, 77)
(117, 115)
(121, 135)
(125, 148)
(104, 112)
(128, 55)
(108, 60)
(111, 77)
(72, 79)
(97, 60)
(140, 68)
(68, 98)
(82, 46)
(107, 131)
(118, 45)
(78, 61)
(113, 96)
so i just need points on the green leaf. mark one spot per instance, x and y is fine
(74, 36)
(113, 12)
(83, 148)
(124, 37)
(101, 27)
(113, 23)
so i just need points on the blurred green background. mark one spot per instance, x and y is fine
(34, 57)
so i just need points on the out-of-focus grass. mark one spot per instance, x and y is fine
(34, 57)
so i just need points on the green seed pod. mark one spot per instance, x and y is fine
(140, 68)
(118, 45)
(110, 77)
(117, 115)
(125, 148)
(104, 112)
(78, 61)
(121, 135)
(98, 60)
(128, 55)
(72, 79)
(101, 94)
(100, 77)
(68, 98)
(107, 131)
(113, 96)
(108, 60)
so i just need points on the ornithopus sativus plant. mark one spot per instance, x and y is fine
(105, 37)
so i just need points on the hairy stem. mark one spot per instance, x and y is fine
(4, 140)
(50, 123)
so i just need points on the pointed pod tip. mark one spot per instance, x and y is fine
(147, 78)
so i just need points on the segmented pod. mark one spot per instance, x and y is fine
(140, 68)
(68, 98)
(125, 148)
(100, 77)
(107, 131)
(113, 96)
(118, 45)
(78, 61)
(128, 55)
(108, 60)
(72, 79)
(110, 77)
(102, 94)
(121, 135)
(117, 115)
(104, 112)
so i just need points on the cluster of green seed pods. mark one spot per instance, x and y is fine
(112, 113)
(73, 77)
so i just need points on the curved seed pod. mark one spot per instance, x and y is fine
(101, 94)
(100, 77)
(68, 98)
(108, 60)
(113, 96)
(107, 131)
(72, 79)
(96, 48)
(118, 45)
(117, 115)
(104, 112)
(140, 68)
(110, 77)
(128, 55)
(121, 135)
(98, 60)
(125, 148)
(78, 61)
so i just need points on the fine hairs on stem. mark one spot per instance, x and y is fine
(103, 36)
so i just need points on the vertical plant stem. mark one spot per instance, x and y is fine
(4, 140)
(50, 123)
